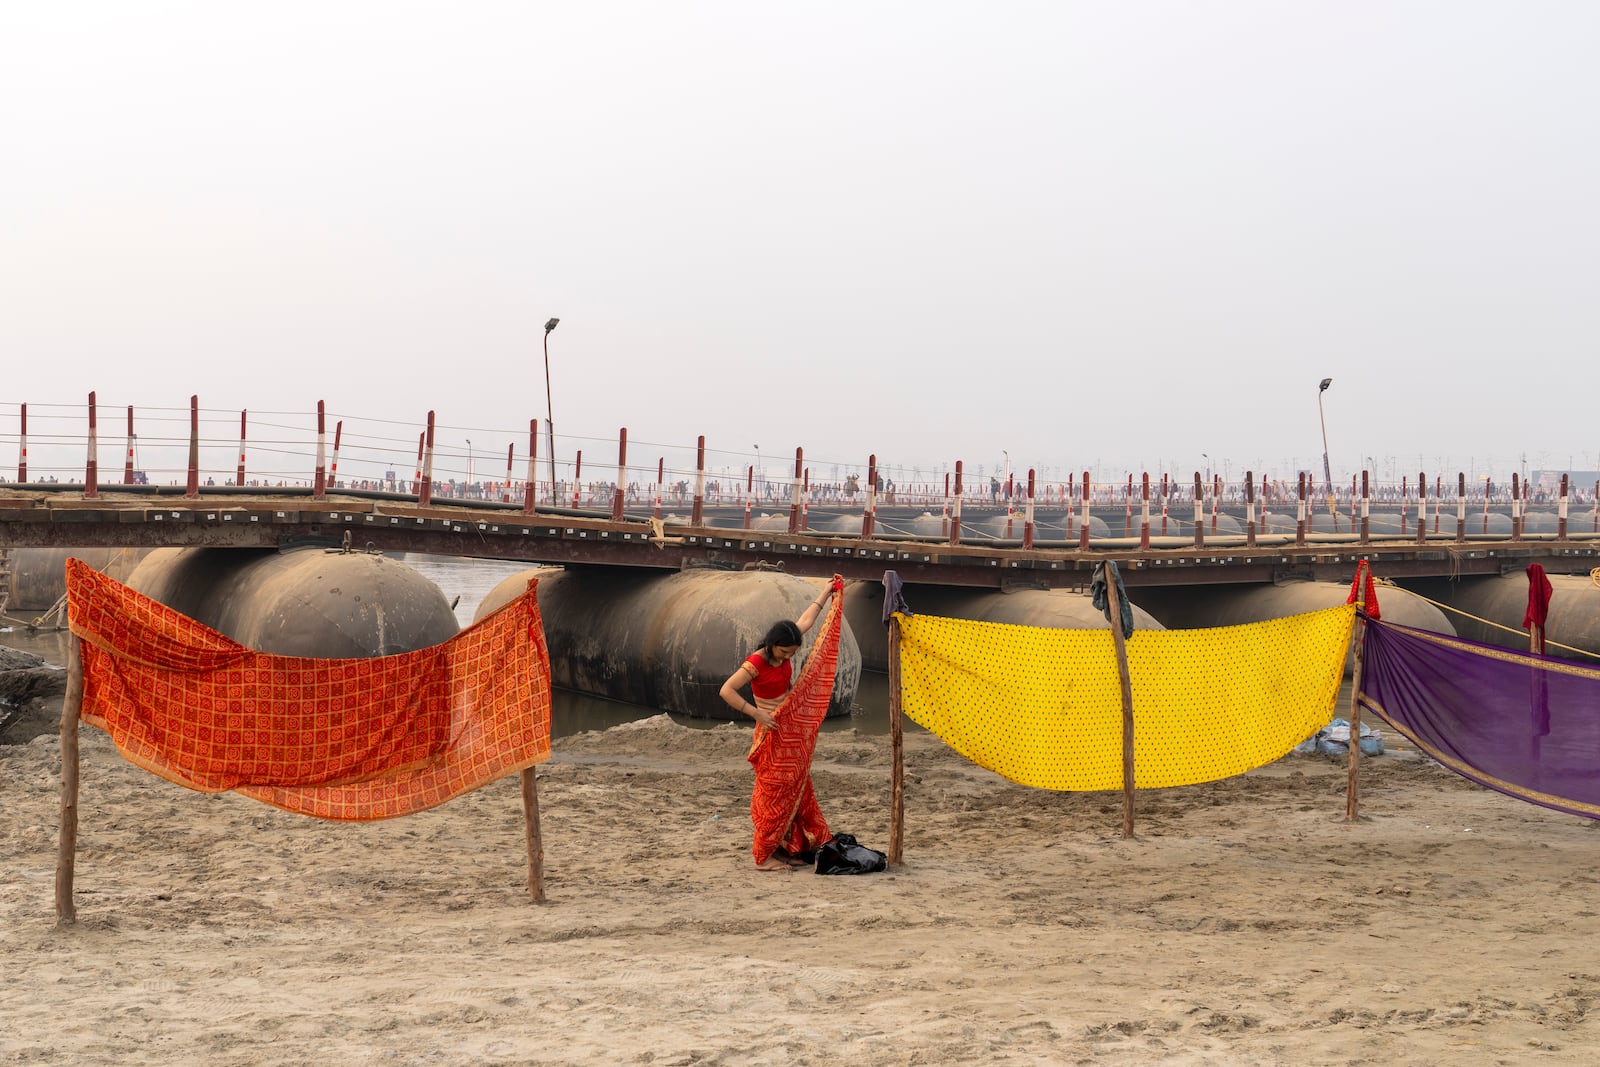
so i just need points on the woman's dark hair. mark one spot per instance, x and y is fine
(783, 632)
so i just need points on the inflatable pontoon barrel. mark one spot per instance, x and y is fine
(303, 602)
(666, 641)
(39, 575)
(1491, 608)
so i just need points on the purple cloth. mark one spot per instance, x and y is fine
(1524, 725)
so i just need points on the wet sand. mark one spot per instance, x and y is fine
(1246, 923)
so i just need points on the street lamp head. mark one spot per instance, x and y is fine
(552, 325)
(1322, 389)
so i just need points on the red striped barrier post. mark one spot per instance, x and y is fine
(622, 476)
(511, 459)
(1069, 500)
(1027, 514)
(1405, 501)
(955, 518)
(319, 483)
(425, 490)
(661, 476)
(749, 492)
(91, 467)
(1250, 508)
(1561, 511)
(530, 487)
(697, 517)
(1164, 494)
(805, 502)
(1144, 514)
(333, 467)
(1488, 487)
(1216, 497)
(1083, 529)
(1199, 511)
(1366, 500)
(127, 466)
(869, 514)
(1527, 501)
(22, 453)
(193, 489)
(1127, 519)
(1461, 505)
(577, 479)
(238, 477)
(1300, 514)
(416, 479)
(1516, 507)
(795, 492)
(1422, 508)
(1353, 495)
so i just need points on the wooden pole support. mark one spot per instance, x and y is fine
(1115, 607)
(66, 852)
(530, 815)
(897, 775)
(1352, 787)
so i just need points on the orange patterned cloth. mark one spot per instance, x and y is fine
(783, 805)
(347, 739)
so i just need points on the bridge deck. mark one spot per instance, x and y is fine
(241, 518)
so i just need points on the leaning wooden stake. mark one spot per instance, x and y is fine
(1127, 699)
(68, 846)
(897, 776)
(530, 812)
(1358, 639)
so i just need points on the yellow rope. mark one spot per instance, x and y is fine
(1594, 576)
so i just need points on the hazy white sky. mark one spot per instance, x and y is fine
(1123, 235)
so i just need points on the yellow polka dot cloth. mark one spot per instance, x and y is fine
(1043, 707)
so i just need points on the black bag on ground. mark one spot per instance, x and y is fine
(844, 855)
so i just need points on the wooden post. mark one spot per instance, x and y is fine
(1352, 790)
(530, 815)
(67, 848)
(1115, 608)
(897, 776)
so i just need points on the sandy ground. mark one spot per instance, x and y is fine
(1246, 923)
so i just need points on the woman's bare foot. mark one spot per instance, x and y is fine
(773, 863)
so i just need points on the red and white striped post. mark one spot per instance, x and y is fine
(805, 501)
(1561, 511)
(1422, 508)
(319, 482)
(955, 518)
(1488, 490)
(869, 516)
(238, 478)
(1027, 515)
(1516, 507)
(1164, 493)
(1199, 511)
(1250, 508)
(622, 476)
(530, 487)
(91, 468)
(1354, 494)
(1144, 510)
(127, 466)
(1011, 497)
(1216, 499)
(1461, 505)
(697, 516)
(22, 451)
(193, 490)
(511, 459)
(577, 480)
(795, 499)
(1365, 495)
(661, 475)
(749, 492)
(1405, 501)
(416, 479)
(425, 491)
(1127, 518)
(333, 467)
(1300, 514)
(1083, 531)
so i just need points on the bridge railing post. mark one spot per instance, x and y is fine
(530, 487)
(869, 511)
(91, 468)
(1027, 515)
(425, 479)
(1144, 513)
(192, 491)
(622, 476)
(1250, 508)
(1561, 511)
(333, 465)
(319, 483)
(1083, 527)
(22, 449)
(697, 516)
(1422, 508)
(1516, 507)
(795, 491)
(1300, 513)
(1199, 512)
(1366, 499)
(127, 466)
(955, 518)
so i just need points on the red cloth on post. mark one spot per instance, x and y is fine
(1539, 593)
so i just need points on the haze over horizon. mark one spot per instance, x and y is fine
(1059, 235)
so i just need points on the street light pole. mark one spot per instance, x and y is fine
(549, 423)
(1327, 472)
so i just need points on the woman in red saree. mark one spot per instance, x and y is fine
(783, 806)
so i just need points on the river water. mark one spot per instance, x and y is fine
(467, 582)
